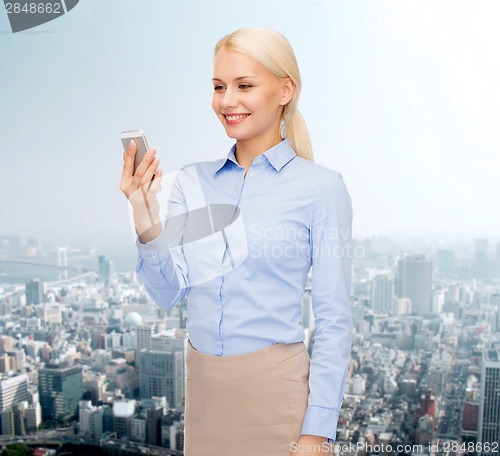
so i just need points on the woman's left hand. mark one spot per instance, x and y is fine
(309, 445)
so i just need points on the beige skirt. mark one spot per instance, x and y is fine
(246, 405)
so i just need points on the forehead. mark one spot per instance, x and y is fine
(229, 64)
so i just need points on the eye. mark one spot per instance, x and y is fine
(218, 88)
(244, 86)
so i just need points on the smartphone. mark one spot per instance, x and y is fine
(142, 145)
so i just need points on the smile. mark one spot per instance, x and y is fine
(236, 118)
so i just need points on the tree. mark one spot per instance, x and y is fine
(18, 449)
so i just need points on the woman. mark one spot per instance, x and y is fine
(240, 237)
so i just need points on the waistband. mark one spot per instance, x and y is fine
(273, 353)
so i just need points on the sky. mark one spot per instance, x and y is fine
(401, 97)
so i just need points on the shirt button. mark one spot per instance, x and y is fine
(259, 160)
(217, 343)
(153, 257)
(251, 174)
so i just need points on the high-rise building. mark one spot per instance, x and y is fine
(34, 291)
(414, 281)
(161, 373)
(145, 332)
(33, 414)
(104, 270)
(7, 422)
(13, 390)
(480, 266)
(123, 411)
(90, 419)
(445, 262)
(437, 379)
(489, 406)
(155, 409)
(138, 427)
(382, 294)
(172, 340)
(470, 418)
(60, 387)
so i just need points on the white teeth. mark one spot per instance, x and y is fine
(236, 117)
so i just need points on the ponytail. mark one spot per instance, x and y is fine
(294, 128)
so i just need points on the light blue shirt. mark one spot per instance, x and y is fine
(240, 247)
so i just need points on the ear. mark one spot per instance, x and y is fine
(287, 90)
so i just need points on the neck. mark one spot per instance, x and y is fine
(248, 149)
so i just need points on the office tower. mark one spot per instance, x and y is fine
(90, 419)
(129, 339)
(144, 334)
(104, 270)
(445, 262)
(107, 418)
(480, 265)
(20, 417)
(415, 282)
(60, 387)
(138, 427)
(155, 409)
(13, 390)
(382, 294)
(34, 291)
(170, 340)
(437, 380)
(161, 373)
(470, 418)
(33, 414)
(123, 411)
(51, 314)
(489, 406)
(94, 384)
(17, 358)
(7, 420)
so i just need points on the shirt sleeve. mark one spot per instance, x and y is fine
(161, 265)
(330, 244)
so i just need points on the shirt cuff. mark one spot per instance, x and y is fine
(153, 251)
(321, 421)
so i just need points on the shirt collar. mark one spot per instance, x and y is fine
(278, 155)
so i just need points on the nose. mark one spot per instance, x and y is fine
(229, 99)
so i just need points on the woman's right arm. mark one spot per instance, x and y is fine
(161, 263)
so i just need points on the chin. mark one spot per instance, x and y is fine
(238, 136)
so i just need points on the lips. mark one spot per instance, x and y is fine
(233, 119)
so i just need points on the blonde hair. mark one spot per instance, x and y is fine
(273, 51)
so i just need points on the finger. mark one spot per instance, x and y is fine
(129, 154)
(148, 175)
(149, 156)
(155, 185)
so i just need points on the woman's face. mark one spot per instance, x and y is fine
(248, 98)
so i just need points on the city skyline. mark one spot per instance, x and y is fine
(418, 376)
(404, 106)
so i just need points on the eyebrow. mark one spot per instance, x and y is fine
(236, 79)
